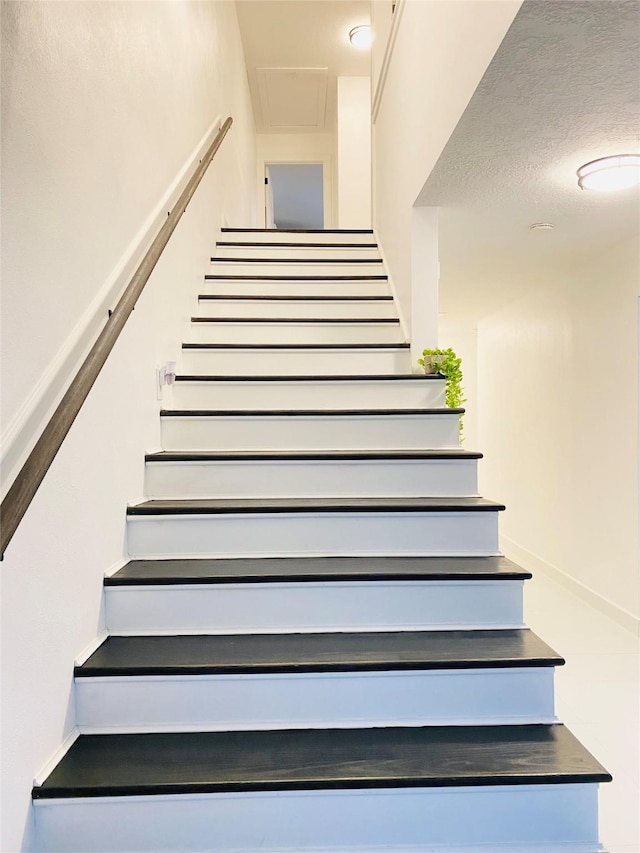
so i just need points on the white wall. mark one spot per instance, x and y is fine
(462, 336)
(103, 105)
(440, 53)
(558, 404)
(299, 148)
(381, 20)
(354, 152)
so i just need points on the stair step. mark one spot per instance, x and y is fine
(251, 429)
(330, 652)
(289, 268)
(255, 276)
(280, 260)
(313, 526)
(304, 307)
(325, 236)
(316, 569)
(329, 505)
(267, 681)
(315, 759)
(334, 790)
(307, 245)
(400, 391)
(297, 287)
(283, 595)
(252, 474)
(319, 359)
(309, 251)
(296, 330)
(300, 455)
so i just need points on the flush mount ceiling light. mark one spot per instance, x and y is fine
(610, 173)
(360, 37)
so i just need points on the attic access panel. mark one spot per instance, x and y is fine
(293, 98)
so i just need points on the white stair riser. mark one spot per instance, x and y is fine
(265, 362)
(491, 818)
(312, 607)
(313, 253)
(282, 236)
(312, 478)
(310, 432)
(366, 394)
(315, 700)
(300, 534)
(330, 310)
(221, 287)
(294, 333)
(220, 267)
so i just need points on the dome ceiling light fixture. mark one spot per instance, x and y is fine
(361, 37)
(608, 174)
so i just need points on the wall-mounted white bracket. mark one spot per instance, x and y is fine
(165, 375)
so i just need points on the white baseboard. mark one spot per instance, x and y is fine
(57, 757)
(115, 567)
(88, 650)
(27, 424)
(528, 560)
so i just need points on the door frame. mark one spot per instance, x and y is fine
(324, 160)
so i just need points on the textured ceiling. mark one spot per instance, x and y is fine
(290, 34)
(563, 89)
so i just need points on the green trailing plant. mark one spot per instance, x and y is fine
(446, 362)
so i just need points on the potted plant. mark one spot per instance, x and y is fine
(447, 363)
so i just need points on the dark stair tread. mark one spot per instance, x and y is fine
(257, 277)
(261, 297)
(340, 321)
(329, 652)
(281, 245)
(294, 413)
(298, 230)
(297, 347)
(320, 759)
(296, 260)
(306, 378)
(307, 455)
(314, 569)
(227, 506)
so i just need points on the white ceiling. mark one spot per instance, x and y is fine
(294, 52)
(563, 89)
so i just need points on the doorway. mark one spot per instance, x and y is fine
(294, 195)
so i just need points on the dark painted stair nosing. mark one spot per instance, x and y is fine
(310, 455)
(314, 569)
(384, 346)
(296, 260)
(206, 297)
(298, 320)
(211, 277)
(255, 506)
(255, 654)
(298, 230)
(278, 245)
(387, 377)
(320, 759)
(295, 413)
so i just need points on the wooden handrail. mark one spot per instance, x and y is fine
(33, 471)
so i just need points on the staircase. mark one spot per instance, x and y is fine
(316, 645)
